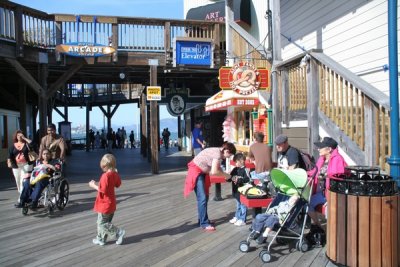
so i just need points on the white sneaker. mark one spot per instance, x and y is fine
(120, 237)
(233, 220)
(240, 223)
(98, 242)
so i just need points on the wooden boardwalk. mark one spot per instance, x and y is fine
(160, 224)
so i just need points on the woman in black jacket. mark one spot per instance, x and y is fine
(18, 159)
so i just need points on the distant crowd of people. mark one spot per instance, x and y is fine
(111, 139)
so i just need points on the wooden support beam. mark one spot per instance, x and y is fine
(63, 79)
(19, 36)
(143, 125)
(87, 126)
(25, 75)
(114, 110)
(154, 124)
(313, 106)
(22, 105)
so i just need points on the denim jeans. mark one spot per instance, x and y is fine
(38, 189)
(202, 200)
(241, 210)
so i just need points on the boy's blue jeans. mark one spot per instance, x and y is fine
(241, 210)
(202, 200)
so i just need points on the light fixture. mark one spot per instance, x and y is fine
(122, 75)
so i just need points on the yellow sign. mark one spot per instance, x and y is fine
(153, 93)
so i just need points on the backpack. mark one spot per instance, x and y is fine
(308, 162)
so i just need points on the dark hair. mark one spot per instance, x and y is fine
(230, 147)
(239, 156)
(259, 136)
(52, 126)
(15, 139)
(198, 122)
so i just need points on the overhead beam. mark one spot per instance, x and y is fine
(63, 79)
(59, 112)
(25, 75)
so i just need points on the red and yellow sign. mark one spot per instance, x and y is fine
(243, 78)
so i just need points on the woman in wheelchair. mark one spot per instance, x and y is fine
(42, 172)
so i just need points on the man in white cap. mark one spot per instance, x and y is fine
(289, 157)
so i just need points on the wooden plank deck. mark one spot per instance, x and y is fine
(160, 224)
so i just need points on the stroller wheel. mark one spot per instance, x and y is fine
(303, 247)
(244, 246)
(265, 256)
(25, 209)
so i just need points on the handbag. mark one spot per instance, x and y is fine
(33, 156)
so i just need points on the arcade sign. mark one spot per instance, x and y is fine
(82, 49)
(243, 78)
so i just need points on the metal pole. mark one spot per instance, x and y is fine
(394, 159)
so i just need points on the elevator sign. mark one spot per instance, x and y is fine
(198, 52)
(153, 93)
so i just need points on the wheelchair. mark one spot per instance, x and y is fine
(55, 194)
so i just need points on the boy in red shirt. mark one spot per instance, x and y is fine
(106, 204)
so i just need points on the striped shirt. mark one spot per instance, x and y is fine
(204, 159)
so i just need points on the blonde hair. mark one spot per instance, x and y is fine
(108, 162)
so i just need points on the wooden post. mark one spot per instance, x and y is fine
(19, 32)
(58, 25)
(167, 42)
(22, 106)
(115, 41)
(154, 132)
(370, 127)
(285, 97)
(312, 106)
(179, 134)
(42, 99)
(87, 126)
(143, 125)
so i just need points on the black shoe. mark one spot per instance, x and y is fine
(254, 235)
(33, 206)
(261, 240)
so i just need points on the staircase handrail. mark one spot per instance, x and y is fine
(372, 92)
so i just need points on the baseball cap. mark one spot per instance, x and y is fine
(326, 142)
(280, 139)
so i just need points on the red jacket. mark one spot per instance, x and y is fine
(106, 201)
(191, 178)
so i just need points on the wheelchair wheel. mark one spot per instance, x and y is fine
(63, 195)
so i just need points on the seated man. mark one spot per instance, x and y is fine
(39, 179)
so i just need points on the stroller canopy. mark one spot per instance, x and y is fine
(291, 182)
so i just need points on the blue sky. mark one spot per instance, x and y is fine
(126, 114)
